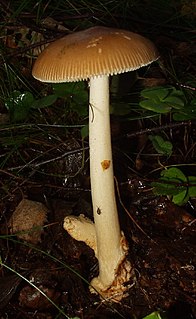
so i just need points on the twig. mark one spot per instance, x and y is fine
(186, 86)
(10, 174)
(155, 129)
(60, 157)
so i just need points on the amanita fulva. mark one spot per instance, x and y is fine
(95, 54)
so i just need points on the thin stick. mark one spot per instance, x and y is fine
(154, 129)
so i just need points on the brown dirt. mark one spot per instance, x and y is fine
(163, 261)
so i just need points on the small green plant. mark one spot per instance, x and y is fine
(162, 99)
(20, 104)
(154, 315)
(187, 113)
(175, 184)
(162, 146)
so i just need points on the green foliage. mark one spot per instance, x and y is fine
(174, 183)
(156, 101)
(188, 113)
(44, 101)
(20, 104)
(154, 315)
(161, 146)
(162, 100)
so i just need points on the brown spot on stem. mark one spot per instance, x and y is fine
(105, 164)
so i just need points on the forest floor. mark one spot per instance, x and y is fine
(45, 274)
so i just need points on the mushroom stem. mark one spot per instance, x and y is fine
(104, 236)
(111, 244)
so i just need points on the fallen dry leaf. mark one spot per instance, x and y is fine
(27, 220)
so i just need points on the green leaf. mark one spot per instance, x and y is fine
(18, 98)
(164, 188)
(181, 198)
(182, 116)
(174, 102)
(187, 113)
(44, 101)
(19, 105)
(154, 315)
(192, 189)
(170, 184)
(155, 106)
(159, 93)
(162, 147)
(176, 92)
(174, 174)
(162, 100)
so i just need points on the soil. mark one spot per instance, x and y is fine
(161, 240)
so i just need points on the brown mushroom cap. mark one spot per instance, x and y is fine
(93, 52)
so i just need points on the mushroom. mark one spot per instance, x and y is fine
(95, 54)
